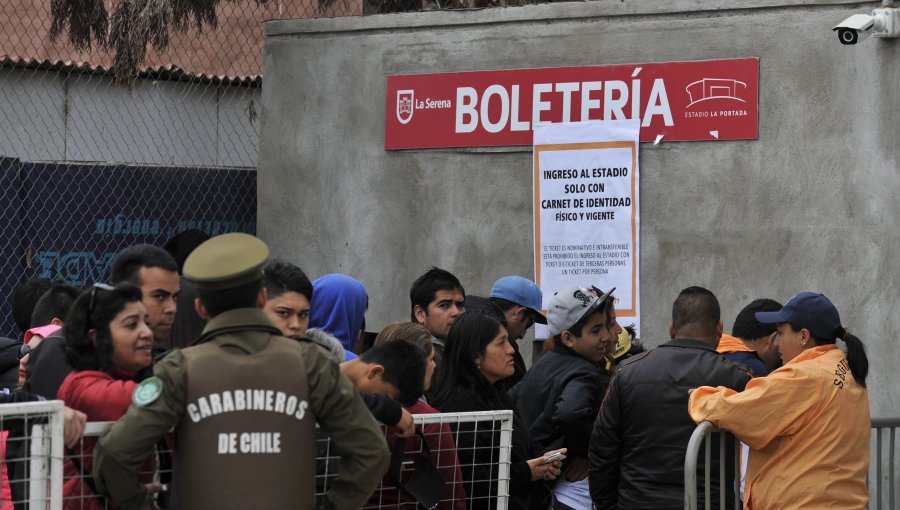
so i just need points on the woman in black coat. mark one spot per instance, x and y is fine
(477, 357)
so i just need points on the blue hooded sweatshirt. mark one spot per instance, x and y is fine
(338, 306)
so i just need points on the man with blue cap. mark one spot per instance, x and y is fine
(521, 302)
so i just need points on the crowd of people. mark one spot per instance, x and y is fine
(236, 363)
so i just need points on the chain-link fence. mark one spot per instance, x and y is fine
(90, 165)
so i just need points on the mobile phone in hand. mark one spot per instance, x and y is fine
(555, 456)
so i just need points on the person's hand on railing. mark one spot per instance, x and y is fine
(545, 468)
(73, 426)
(406, 425)
(150, 500)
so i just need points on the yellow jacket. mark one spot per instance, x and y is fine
(807, 425)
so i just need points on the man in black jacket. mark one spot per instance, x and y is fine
(559, 397)
(640, 437)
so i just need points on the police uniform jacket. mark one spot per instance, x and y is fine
(331, 401)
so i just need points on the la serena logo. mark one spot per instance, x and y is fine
(405, 100)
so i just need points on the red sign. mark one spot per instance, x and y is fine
(708, 100)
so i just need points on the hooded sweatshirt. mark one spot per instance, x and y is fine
(338, 306)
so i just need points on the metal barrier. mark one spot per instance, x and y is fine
(33, 452)
(881, 466)
(442, 432)
(453, 439)
(888, 491)
(700, 436)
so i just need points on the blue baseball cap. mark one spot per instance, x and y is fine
(523, 292)
(809, 310)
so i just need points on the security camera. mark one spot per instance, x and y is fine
(883, 22)
(855, 28)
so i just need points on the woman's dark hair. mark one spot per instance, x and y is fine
(468, 338)
(95, 309)
(857, 360)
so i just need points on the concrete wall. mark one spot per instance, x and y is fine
(48, 116)
(813, 204)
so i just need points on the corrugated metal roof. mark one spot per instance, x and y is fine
(169, 72)
(230, 53)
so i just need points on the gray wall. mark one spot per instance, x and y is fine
(47, 116)
(810, 205)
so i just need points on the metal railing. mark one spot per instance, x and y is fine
(47, 474)
(33, 446)
(700, 437)
(882, 427)
(882, 464)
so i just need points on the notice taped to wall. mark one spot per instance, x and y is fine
(586, 224)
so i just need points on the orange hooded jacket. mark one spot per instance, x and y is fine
(808, 427)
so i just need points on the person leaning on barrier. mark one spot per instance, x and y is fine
(109, 346)
(807, 423)
(438, 436)
(245, 418)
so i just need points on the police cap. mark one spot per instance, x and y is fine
(226, 261)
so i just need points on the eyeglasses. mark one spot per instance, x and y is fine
(92, 302)
(25, 350)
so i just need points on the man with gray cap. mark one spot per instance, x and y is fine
(559, 397)
(244, 402)
(521, 302)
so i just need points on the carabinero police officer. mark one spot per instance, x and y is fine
(243, 401)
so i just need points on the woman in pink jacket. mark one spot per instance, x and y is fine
(110, 347)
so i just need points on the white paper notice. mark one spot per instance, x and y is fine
(586, 224)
